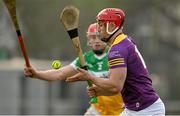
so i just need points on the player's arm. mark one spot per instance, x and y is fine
(110, 86)
(50, 75)
(113, 84)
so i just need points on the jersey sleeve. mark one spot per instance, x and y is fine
(75, 63)
(117, 57)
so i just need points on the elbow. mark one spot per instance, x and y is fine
(117, 89)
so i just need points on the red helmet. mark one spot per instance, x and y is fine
(93, 29)
(112, 15)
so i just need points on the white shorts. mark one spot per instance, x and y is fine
(91, 111)
(156, 109)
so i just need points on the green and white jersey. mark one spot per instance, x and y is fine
(97, 65)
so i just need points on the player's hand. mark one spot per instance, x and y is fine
(91, 91)
(29, 72)
(82, 75)
(95, 91)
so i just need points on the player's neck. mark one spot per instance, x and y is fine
(110, 42)
(100, 56)
(99, 52)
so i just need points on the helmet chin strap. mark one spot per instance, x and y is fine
(112, 33)
(107, 27)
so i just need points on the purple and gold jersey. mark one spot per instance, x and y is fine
(137, 92)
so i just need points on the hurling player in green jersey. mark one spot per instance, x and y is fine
(96, 60)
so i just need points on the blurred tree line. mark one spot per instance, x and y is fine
(154, 24)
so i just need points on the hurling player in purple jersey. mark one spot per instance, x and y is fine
(128, 73)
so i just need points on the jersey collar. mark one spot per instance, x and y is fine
(118, 39)
(101, 56)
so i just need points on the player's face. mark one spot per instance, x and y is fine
(95, 42)
(102, 29)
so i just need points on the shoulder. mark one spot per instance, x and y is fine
(88, 53)
(118, 50)
(107, 49)
(122, 47)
